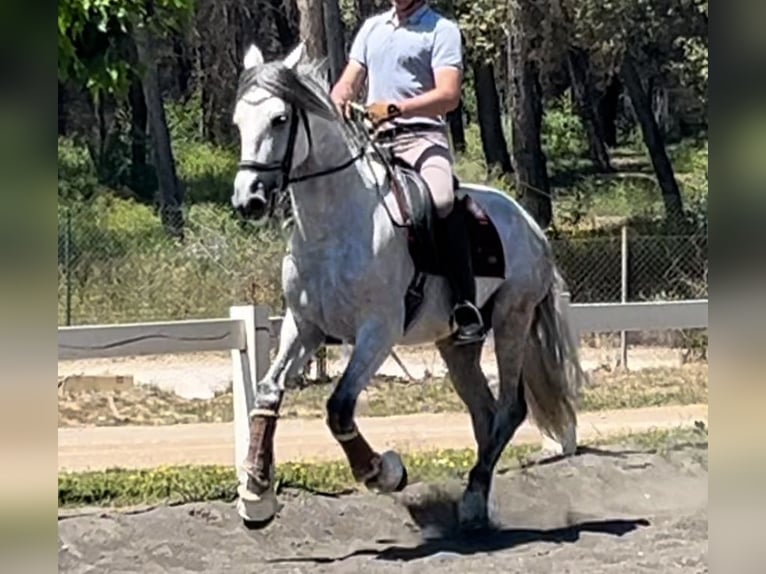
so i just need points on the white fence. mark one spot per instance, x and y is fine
(250, 333)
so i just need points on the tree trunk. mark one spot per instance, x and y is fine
(366, 8)
(642, 106)
(138, 119)
(490, 124)
(608, 106)
(577, 62)
(284, 31)
(457, 132)
(62, 110)
(183, 65)
(171, 196)
(526, 119)
(312, 27)
(333, 25)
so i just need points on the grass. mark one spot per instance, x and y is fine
(181, 484)
(146, 405)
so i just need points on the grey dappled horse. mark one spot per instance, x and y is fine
(349, 269)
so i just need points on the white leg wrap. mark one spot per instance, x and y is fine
(256, 508)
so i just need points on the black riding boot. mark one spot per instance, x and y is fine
(459, 270)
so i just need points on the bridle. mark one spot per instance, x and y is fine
(285, 165)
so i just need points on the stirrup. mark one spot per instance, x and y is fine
(469, 332)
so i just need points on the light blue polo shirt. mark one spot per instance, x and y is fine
(400, 58)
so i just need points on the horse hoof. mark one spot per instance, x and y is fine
(564, 446)
(256, 510)
(392, 476)
(472, 511)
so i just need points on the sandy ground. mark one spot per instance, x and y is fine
(200, 375)
(615, 511)
(91, 448)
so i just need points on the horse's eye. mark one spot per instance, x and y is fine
(279, 120)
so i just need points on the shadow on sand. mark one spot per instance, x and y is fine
(487, 540)
(581, 450)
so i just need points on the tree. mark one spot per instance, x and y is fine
(488, 111)
(646, 42)
(171, 193)
(333, 25)
(577, 64)
(481, 24)
(457, 131)
(312, 27)
(527, 113)
(94, 45)
(652, 136)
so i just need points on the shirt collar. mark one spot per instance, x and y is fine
(413, 18)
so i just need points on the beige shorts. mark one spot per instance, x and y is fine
(430, 153)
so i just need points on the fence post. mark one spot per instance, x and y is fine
(262, 341)
(565, 302)
(624, 293)
(68, 265)
(249, 366)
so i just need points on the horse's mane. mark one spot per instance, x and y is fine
(305, 86)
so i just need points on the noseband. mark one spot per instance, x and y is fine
(286, 164)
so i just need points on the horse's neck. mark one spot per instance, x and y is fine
(332, 208)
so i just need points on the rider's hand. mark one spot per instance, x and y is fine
(344, 107)
(381, 112)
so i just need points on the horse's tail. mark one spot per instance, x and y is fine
(552, 373)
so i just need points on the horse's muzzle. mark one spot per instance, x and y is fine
(253, 204)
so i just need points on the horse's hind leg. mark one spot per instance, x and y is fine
(464, 366)
(511, 323)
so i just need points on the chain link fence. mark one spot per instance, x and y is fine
(654, 267)
(119, 266)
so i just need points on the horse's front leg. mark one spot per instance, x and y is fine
(298, 342)
(384, 472)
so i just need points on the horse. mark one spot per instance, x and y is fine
(355, 271)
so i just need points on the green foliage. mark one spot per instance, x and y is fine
(117, 487)
(93, 37)
(122, 266)
(483, 23)
(185, 119)
(656, 32)
(562, 135)
(207, 172)
(77, 178)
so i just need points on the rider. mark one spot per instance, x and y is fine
(413, 61)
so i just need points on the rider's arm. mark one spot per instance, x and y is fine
(447, 65)
(437, 102)
(350, 83)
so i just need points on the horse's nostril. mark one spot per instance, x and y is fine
(253, 209)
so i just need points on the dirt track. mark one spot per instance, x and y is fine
(309, 439)
(619, 511)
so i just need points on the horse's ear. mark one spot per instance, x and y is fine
(253, 57)
(295, 57)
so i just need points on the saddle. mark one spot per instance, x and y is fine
(411, 206)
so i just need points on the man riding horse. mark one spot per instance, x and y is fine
(412, 59)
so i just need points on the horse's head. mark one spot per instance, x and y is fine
(274, 100)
